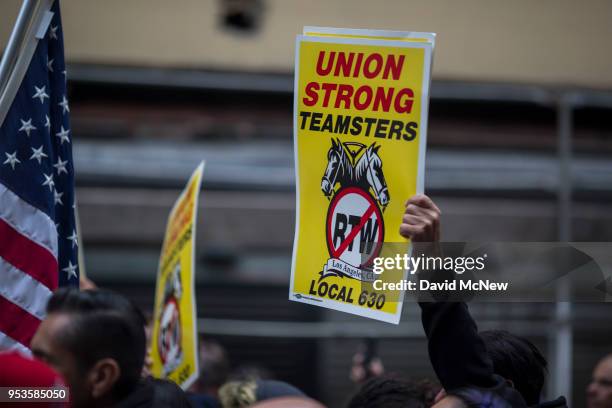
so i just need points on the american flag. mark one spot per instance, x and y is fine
(38, 239)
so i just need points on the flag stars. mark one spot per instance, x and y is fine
(73, 238)
(64, 105)
(63, 135)
(60, 166)
(27, 126)
(50, 64)
(57, 197)
(11, 159)
(38, 154)
(70, 270)
(53, 32)
(40, 93)
(47, 122)
(49, 181)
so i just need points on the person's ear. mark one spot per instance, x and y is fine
(103, 376)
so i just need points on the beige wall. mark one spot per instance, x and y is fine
(535, 41)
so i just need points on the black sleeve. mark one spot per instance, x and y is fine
(456, 351)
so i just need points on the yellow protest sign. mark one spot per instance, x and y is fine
(174, 341)
(371, 34)
(360, 126)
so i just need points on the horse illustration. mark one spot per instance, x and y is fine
(364, 172)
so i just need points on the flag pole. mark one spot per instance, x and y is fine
(14, 45)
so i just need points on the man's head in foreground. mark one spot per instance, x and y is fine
(599, 391)
(388, 391)
(96, 340)
(289, 402)
(450, 401)
(517, 360)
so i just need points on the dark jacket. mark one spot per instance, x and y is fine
(203, 401)
(155, 393)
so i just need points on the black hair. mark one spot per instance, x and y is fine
(518, 360)
(103, 324)
(389, 391)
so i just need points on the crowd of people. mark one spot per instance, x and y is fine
(94, 341)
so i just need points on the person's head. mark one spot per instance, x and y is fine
(389, 391)
(517, 360)
(96, 340)
(450, 401)
(242, 394)
(599, 391)
(289, 402)
(214, 367)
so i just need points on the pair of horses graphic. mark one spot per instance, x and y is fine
(353, 164)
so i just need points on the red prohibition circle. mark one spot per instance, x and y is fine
(176, 331)
(330, 214)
